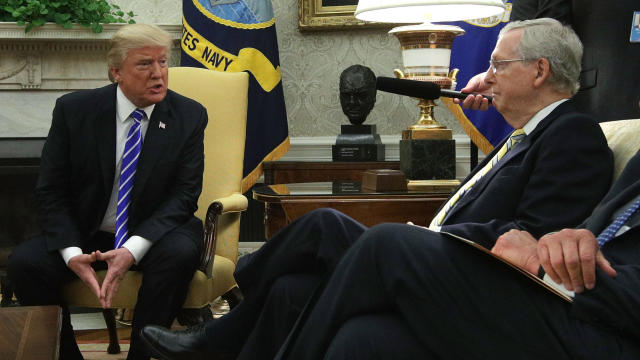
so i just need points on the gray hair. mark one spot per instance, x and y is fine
(548, 38)
(135, 36)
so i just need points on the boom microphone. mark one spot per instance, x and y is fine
(418, 89)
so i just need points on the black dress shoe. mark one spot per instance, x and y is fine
(175, 345)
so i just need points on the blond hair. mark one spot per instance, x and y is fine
(134, 36)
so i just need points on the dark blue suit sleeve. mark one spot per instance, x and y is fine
(55, 206)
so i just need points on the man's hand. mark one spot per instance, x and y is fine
(570, 258)
(118, 263)
(476, 85)
(520, 248)
(81, 266)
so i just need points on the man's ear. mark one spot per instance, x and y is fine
(543, 71)
(114, 74)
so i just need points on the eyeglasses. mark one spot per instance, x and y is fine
(493, 64)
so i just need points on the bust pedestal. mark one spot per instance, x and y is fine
(358, 143)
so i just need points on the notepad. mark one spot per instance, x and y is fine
(548, 284)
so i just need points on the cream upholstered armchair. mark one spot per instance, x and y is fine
(623, 140)
(224, 95)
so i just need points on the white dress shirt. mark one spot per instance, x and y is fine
(535, 120)
(138, 246)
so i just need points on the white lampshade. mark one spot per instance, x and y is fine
(419, 11)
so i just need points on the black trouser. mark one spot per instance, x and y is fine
(277, 280)
(168, 267)
(455, 301)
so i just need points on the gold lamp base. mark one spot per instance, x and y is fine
(427, 127)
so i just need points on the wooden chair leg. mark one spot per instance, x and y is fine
(110, 319)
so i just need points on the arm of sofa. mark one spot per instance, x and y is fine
(623, 137)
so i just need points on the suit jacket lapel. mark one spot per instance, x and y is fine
(478, 188)
(105, 138)
(155, 141)
(515, 152)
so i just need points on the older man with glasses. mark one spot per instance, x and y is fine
(408, 293)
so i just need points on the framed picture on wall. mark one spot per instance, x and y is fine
(314, 15)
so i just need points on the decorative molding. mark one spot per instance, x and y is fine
(318, 148)
(54, 32)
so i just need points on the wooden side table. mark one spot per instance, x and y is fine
(287, 202)
(30, 332)
(285, 172)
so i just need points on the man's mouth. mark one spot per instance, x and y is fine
(157, 88)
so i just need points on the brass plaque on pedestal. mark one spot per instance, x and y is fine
(435, 186)
(431, 134)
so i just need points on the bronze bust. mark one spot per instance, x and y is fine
(357, 92)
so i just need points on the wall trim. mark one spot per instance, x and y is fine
(55, 32)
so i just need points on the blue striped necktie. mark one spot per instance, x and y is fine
(611, 230)
(127, 174)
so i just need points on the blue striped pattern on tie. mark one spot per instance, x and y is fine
(611, 230)
(127, 174)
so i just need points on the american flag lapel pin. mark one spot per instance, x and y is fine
(161, 125)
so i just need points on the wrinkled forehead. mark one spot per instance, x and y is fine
(148, 52)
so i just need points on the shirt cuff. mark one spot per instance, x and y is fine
(69, 252)
(138, 247)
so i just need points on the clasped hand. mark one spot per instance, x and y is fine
(569, 256)
(118, 261)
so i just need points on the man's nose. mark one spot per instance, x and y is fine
(155, 69)
(489, 76)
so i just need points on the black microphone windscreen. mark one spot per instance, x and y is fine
(413, 88)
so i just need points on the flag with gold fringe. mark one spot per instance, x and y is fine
(240, 35)
(470, 54)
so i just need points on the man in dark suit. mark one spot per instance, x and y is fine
(463, 304)
(120, 176)
(543, 181)
(609, 87)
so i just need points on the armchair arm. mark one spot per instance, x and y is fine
(232, 203)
